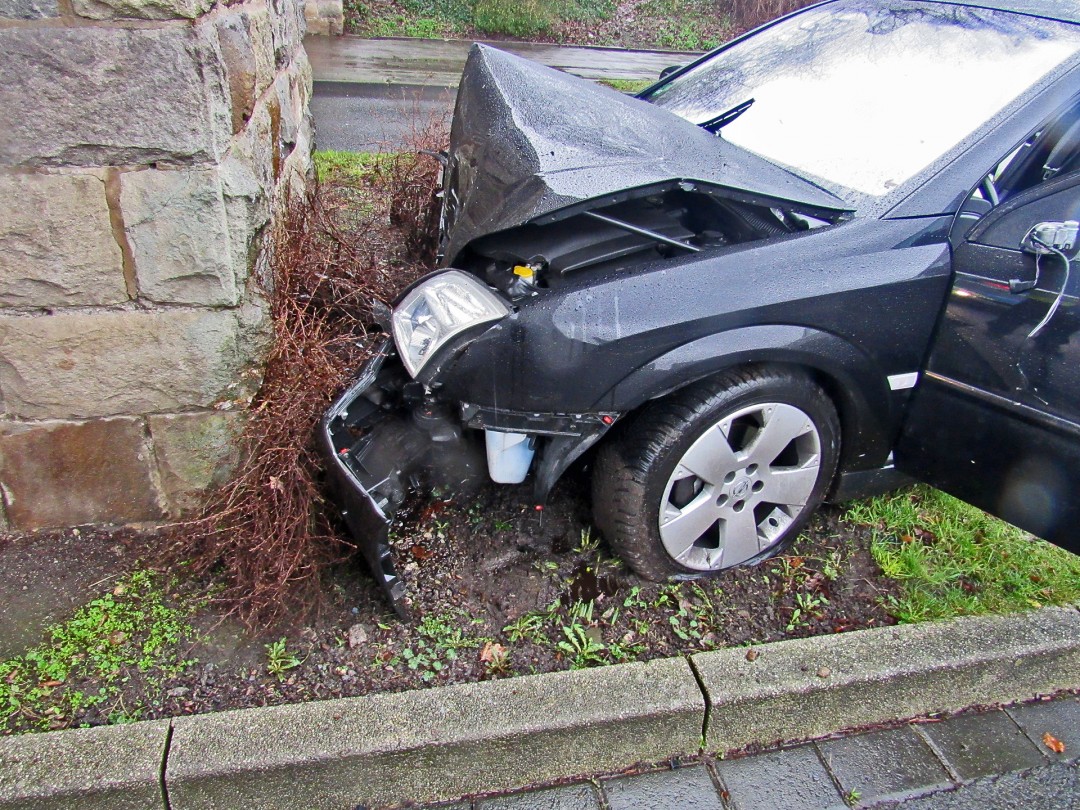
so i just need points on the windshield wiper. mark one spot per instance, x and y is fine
(714, 125)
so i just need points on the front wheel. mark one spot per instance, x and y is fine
(718, 474)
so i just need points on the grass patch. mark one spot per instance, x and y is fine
(955, 560)
(335, 166)
(630, 86)
(133, 629)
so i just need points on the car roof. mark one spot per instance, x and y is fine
(1063, 10)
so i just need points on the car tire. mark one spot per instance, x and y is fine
(718, 474)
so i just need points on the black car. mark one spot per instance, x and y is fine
(828, 255)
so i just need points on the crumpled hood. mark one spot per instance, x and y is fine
(528, 140)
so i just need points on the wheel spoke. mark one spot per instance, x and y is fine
(789, 486)
(681, 528)
(783, 424)
(710, 458)
(739, 537)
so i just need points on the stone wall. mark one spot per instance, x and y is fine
(146, 147)
(326, 17)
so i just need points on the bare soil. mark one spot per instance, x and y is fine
(472, 568)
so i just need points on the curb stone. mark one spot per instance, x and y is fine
(107, 768)
(441, 743)
(811, 687)
(435, 744)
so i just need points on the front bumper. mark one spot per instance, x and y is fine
(379, 446)
(386, 436)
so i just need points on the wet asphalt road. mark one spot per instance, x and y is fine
(363, 117)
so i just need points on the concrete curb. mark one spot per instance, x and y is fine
(441, 743)
(816, 686)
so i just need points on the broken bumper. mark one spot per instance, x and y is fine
(361, 475)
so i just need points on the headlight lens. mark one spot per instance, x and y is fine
(438, 309)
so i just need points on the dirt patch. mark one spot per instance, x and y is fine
(501, 589)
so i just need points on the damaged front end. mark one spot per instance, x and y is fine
(388, 435)
(504, 366)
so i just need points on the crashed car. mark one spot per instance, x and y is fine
(830, 256)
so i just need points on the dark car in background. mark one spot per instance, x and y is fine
(827, 256)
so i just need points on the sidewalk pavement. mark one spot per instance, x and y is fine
(983, 761)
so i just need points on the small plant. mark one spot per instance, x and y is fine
(588, 543)
(582, 646)
(502, 525)
(279, 659)
(807, 605)
(851, 798)
(528, 627)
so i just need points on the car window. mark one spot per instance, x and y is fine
(861, 94)
(1051, 151)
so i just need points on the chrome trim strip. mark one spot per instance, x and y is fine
(1042, 418)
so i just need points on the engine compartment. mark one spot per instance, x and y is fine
(526, 260)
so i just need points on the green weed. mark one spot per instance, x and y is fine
(279, 659)
(953, 559)
(133, 628)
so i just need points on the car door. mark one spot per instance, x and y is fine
(995, 418)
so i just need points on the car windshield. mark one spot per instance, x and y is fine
(862, 96)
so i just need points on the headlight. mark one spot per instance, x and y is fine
(436, 310)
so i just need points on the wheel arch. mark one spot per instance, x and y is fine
(852, 380)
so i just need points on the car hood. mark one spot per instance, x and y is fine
(529, 142)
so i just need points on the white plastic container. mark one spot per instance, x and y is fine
(508, 456)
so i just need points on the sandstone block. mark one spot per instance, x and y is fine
(28, 9)
(141, 9)
(287, 28)
(325, 17)
(195, 453)
(88, 96)
(179, 235)
(56, 242)
(66, 473)
(77, 365)
(241, 68)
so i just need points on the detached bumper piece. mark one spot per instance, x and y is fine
(379, 446)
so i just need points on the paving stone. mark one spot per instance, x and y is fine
(1055, 787)
(1059, 718)
(566, 797)
(793, 779)
(884, 764)
(686, 788)
(983, 744)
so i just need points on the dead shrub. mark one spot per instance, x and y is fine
(267, 534)
(747, 14)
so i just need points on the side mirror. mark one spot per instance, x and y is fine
(669, 70)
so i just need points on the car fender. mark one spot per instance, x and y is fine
(857, 386)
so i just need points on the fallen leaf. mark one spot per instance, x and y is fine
(275, 484)
(50, 684)
(751, 655)
(492, 652)
(1053, 743)
(419, 552)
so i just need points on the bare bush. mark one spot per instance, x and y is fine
(267, 534)
(748, 14)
